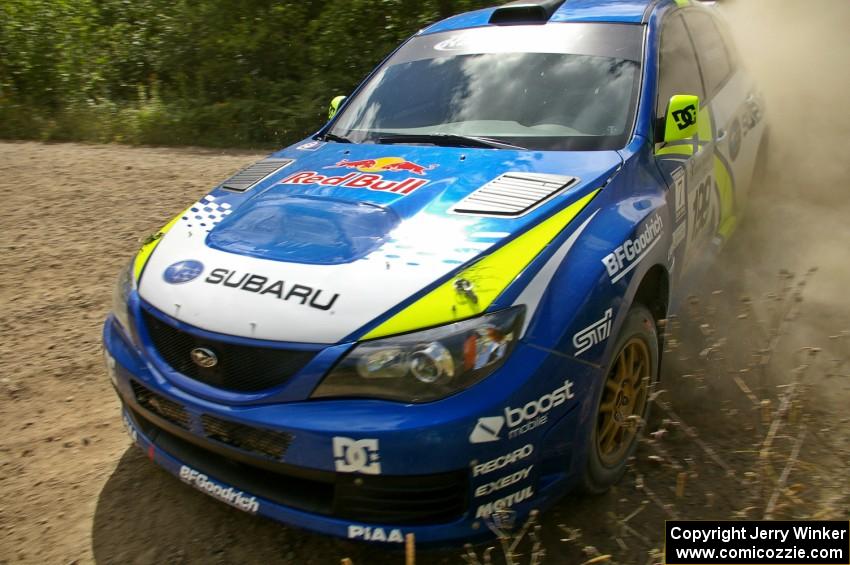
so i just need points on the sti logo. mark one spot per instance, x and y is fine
(597, 332)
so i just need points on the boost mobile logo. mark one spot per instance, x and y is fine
(521, 420)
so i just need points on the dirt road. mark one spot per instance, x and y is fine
(72, 489)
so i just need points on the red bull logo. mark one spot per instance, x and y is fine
(368, 177)
(382, 164)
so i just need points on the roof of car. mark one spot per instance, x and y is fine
(614, 11)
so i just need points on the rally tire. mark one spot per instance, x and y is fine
(622, 402)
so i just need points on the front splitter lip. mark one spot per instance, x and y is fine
(461, 530)
(314, 447)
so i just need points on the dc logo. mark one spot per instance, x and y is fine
(686, 117)
(356, 456)
(183, 272)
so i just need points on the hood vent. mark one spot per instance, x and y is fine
(513, 194)
(250, 176)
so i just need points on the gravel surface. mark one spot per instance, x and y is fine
(75, 490)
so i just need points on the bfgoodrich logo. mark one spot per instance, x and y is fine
(521, 420)
(627, 256)
(229, 495)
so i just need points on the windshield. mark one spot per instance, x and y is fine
(553, 87)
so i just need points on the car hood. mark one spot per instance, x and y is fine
(339, 234)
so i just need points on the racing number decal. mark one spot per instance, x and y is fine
(703, 188)
(704, 203)
(701, 206)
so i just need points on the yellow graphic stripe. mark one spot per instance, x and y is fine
(675, 150)
(683, 3)
(150, 244)
(722, 178)
(487, 279)
(728, 221)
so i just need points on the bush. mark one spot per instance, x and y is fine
(250, 73)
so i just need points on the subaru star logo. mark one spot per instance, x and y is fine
(183, 272)
(203, 357)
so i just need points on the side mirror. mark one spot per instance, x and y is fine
(335, 104)
(682, 116)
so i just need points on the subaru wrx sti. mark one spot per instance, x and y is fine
(446, 303)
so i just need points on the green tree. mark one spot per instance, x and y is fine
(205, 72)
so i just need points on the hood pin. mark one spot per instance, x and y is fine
(464, 287)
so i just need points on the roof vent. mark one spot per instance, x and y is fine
(513, 194)
(253, 174)
(525, 12)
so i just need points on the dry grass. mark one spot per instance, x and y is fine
(737, 433)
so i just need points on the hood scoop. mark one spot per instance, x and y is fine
(301, 229)
(513, 194)
(245, 179)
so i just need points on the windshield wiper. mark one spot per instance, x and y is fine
(335, 137)
(448, 139)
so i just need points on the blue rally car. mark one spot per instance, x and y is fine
(446, 304)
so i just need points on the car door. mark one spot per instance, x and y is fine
(734, 109)
(687, 165)
(724, 94)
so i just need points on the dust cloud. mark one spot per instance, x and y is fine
(755, 332)
(798, 51)
(796, 220)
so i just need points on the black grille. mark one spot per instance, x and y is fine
(240, 368)
(386, 499)
(422, 499)
(161, 406)
(263, 442)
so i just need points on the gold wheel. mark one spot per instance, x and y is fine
(623, 402)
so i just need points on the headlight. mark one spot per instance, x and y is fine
(120, 294)
(428, 365)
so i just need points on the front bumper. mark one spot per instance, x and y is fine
(357, 469)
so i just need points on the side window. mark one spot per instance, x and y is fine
(714, 57)
(678, 72)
